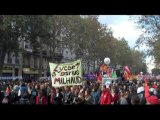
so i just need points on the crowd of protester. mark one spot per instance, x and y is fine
(134, 92)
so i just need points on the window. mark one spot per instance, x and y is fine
(67, 52)
(0, 52)
(66, 45)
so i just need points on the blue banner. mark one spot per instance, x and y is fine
(89, 76)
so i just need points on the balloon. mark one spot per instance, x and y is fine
(107, 61)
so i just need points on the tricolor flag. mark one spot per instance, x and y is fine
(114, 75)
(127, 73)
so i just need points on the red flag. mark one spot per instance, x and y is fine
(99, 78)
(126, 75)
(146, 88)
(126, 68)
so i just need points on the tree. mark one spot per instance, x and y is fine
(150, 24)
(12, 30)
(39, 34)
(156, 71)
(138, 62)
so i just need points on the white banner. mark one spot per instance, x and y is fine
(10, 78)
(66, 73)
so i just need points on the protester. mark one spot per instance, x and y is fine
(41, 98)
(33, 95)
(72, 94)
(140, 92)
(114, 96)
(135, 100)
(123, 100)
(135, 92)
(67, 96)
(105, 96)
(51, 96)
(76, 93)
(95, 95)
(152, 99)
(81, 99)
(58, 99)
(8, 91)
(131, 93)
(88, 97)
(23, 94)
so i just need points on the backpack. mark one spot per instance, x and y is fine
(24, 93)
(33, 93)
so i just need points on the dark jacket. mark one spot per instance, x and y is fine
(72, 97)
(89, 100)
(33, 95)
(130, 97)
(67, 98)
(49, 98)
(58, 99)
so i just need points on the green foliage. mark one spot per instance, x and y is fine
(84, 35)
(150, 24)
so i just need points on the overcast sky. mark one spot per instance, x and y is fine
(122, 26)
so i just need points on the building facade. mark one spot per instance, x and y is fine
(31, 64)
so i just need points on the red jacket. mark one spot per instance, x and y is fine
(106, 98)
(43, 102)
(155, 86)
(115, 98)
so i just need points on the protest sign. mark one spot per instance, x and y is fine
(89, 76)
(66, 74)
(107, 80)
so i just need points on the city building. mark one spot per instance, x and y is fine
(35, 63)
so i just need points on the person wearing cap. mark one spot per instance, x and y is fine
(152, 99)
(155, 85)
(105, 96)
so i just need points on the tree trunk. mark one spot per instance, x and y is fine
(88, 66)
(2, 57)
(94, 65)
(41, 64)
(21, 64)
